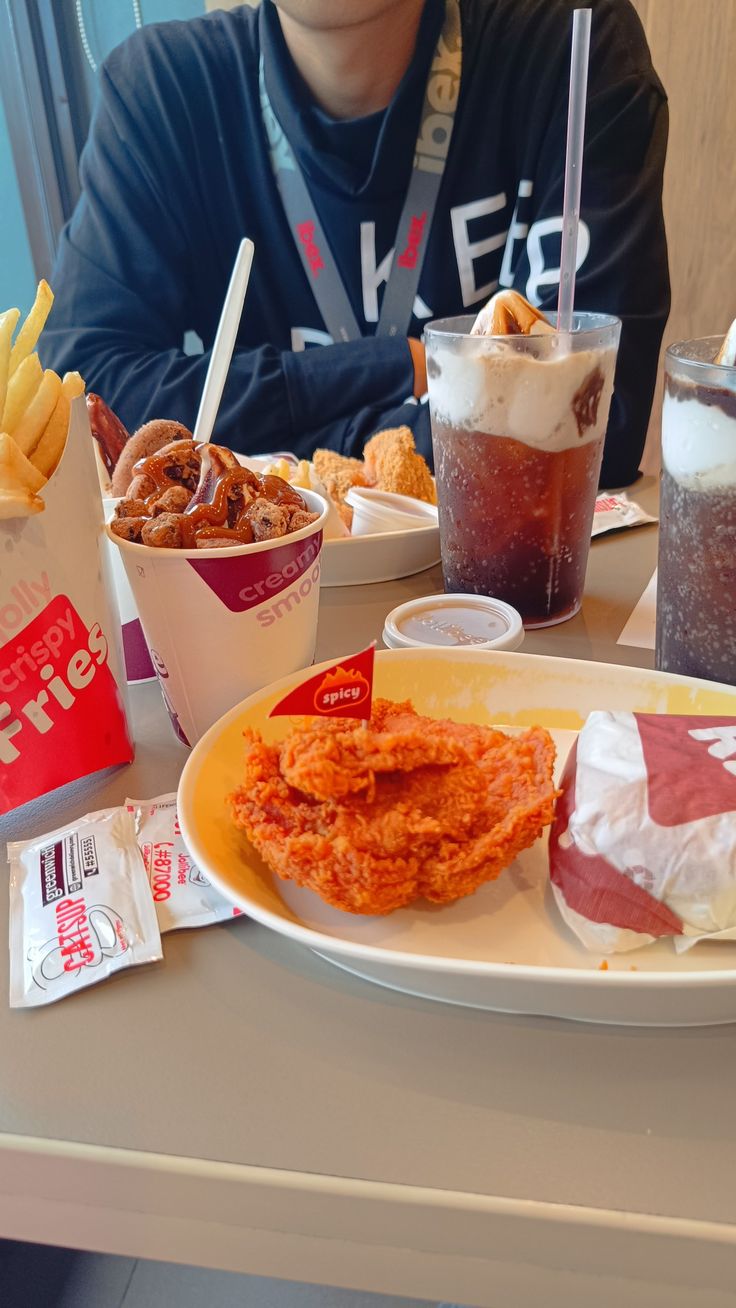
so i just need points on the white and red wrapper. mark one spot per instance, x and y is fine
(612, 512)
(62, 714)
(644, 840)
(182, 895)
(80, 908)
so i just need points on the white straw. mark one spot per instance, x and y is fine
(573, 165)
(222, 350)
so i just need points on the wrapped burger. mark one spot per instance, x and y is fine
(644, 840)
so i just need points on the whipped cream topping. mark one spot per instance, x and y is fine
(505, 392)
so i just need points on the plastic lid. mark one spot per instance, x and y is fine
(454, 621)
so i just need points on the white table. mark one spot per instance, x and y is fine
(244, 1105)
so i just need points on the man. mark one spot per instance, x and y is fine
(178, 169)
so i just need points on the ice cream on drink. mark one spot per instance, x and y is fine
(518, 423)
(696, 616)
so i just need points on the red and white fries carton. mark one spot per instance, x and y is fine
(62, 714)
(644, 840)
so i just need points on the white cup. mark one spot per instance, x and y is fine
(138, 665)
(379, 511)
(223, 623)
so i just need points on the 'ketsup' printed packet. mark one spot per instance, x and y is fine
(612, 512)
(80, 908)
(181, 893)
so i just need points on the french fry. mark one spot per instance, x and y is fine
(25, 341)
(72, 385)
(21, 389)
(50, 448)
(29, 430)
(8, 324)
(16, 471)
(19, 504)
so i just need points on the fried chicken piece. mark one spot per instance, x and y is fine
(327, 759)
(338, 474)
(373, 816)
(329, 464)
(393, 464)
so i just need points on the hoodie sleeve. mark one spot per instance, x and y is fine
(624, 268)
(122, 304)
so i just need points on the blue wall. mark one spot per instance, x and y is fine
(108, 22)
(17, 282)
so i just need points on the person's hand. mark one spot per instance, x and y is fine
(419, 359)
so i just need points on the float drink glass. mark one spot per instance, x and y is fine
(518, 424)
(696, 585)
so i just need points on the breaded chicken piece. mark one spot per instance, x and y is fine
(339, 473)
(393, 464)
(373, 816)
(328, 759)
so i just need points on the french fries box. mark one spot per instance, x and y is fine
(62, 712)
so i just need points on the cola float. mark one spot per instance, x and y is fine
(519, 414)
(696, 587)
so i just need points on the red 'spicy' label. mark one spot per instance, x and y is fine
(61, 715)
(343, 691)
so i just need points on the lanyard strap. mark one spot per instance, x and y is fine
(412, 234)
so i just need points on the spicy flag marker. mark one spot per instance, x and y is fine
(344, 690)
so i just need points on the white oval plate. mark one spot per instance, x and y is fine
(385, 556)
(362, 560)
(506, 947)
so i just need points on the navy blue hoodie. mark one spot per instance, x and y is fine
(176, 172)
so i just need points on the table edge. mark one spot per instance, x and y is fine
(311, 1226)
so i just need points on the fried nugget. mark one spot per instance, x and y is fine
(373, 816)
(338, 474)
(393, 464)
